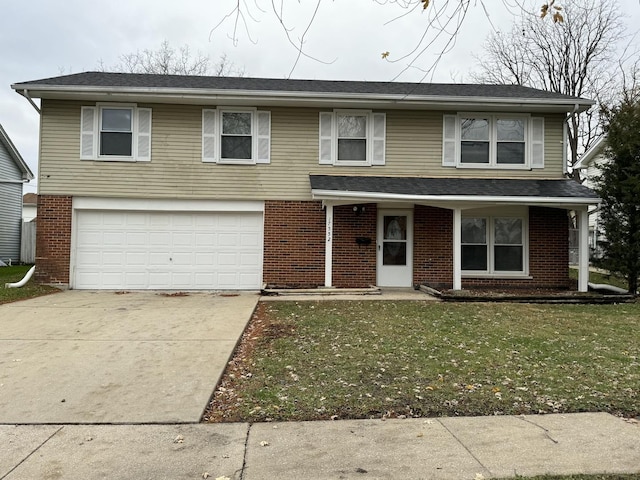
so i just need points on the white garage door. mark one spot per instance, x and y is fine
(167, 250)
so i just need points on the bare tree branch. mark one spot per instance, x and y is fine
(574, 58)
(166, 60)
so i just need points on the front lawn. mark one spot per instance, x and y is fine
(373, 359)
(15, 274)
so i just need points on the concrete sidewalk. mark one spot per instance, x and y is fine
(443, 448)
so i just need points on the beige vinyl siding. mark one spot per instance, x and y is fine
(176, 170)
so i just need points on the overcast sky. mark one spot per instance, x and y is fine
(44, 38)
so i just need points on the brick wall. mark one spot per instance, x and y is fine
(53, 239)
(433, 246)
(294, 244)
(354, 265)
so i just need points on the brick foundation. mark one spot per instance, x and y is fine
(53, 239)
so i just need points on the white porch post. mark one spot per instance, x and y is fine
(457, 249)
(328, 254)
(583, 250)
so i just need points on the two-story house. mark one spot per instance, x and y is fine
(182, 182)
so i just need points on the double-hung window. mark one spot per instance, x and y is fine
(507, 141)
(493, 245)
(114, 132)
(352, 138)
(236, 135)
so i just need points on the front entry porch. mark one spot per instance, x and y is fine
(454, 241)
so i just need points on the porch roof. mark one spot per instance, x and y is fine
(452, 192)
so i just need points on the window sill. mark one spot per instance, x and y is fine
(228, 161)
(498, 276)
(351, 164)
(483, 166)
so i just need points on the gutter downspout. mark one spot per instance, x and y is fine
(25, 94)
(22, 282)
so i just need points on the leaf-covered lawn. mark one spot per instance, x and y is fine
(341, 359)
(15, 274)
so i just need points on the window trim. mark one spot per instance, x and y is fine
(91, 129)
(367, 114)
(376, 132)
(253, 135)
(491, 272)
(212, 135)
(132, 109)
(493, 117)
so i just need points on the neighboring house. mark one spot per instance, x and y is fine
(14, 173)
(589, 165)
(182, 182)
(29, 207)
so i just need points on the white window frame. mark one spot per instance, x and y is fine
(215, 135)
(493, 140)
(254, 127)
(91, 132)
(375, 144)
(491, 244)
(132, 109)
(368, 137)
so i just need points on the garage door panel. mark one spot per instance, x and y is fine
(160, 250)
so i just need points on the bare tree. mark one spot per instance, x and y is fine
(444, 19)
(576, 58)
(166, 60)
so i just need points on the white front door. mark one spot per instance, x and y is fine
(395, 248)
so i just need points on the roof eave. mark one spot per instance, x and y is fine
(27, 174)
(196, 95)
(473, 200)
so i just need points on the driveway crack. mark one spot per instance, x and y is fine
(34, 451)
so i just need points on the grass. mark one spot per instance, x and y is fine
(368, 359)
(31, 289)
(596, 277)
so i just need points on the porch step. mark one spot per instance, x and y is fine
(321, 291)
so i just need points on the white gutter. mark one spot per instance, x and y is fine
(399, 197)
(25, 94)
(301, 96)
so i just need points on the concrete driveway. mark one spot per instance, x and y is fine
(106, 357)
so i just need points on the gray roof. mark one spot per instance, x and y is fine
(27, 174)
(458, 187)
(173, 82)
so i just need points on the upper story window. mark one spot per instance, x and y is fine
(352, 137)
(493, 141)
(115, 133)
(241, 136)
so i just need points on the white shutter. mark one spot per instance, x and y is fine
(88, 133)
(264, 137)
(449, 141)
(209, 134)
(379, 134)
(537, 142)
(143, 116)
(326, 138)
